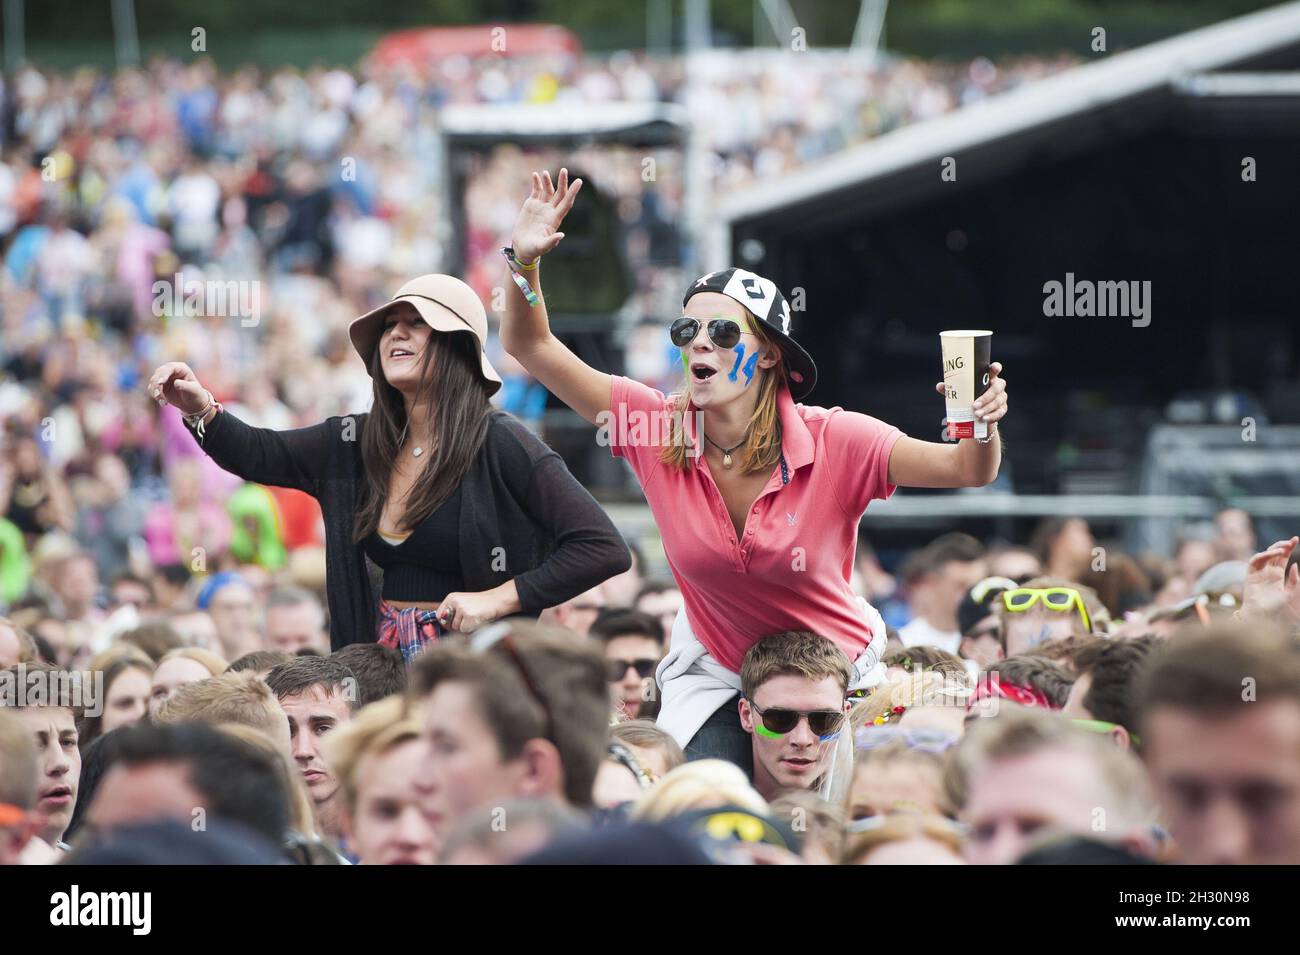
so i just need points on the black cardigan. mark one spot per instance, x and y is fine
(523, 515)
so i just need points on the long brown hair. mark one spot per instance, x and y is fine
(453, 387)
(762, 446)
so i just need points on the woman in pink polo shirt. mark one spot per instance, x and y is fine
(757, 498)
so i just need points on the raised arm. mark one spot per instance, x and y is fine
(526, 330)
(297, 459)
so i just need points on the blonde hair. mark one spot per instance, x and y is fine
(822, 821)
(908, 690)
(376, 729)
(902, 827)
(898, 752)
(646, 735)
(702, 784)
(302, 817)
(762, 446)
(228, 698)
(211, 661)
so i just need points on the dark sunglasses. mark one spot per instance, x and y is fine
(615, 669)
(722, 331)
(778, 721)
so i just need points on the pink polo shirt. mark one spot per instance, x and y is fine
(790, 568)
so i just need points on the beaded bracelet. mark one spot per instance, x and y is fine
(195, 421)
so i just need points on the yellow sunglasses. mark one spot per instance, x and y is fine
(1060, 599)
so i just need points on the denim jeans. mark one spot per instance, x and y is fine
(722, 737)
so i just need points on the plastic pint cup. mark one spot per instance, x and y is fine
(965, 378)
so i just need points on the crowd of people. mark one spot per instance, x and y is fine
(195, 665)
(319, 190)
(1034, 707)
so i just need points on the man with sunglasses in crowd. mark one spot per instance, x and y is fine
(1103, 698)
(1048, 608)
(633, 645)
(981, 625)
(793, 706)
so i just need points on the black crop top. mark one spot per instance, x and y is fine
(426, 565)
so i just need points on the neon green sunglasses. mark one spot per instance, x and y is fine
(1101, 726)
(1060, 599)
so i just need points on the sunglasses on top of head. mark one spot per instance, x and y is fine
(777, 721)
(723, 332)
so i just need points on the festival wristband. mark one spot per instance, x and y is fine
(531, 266)
(524, 287)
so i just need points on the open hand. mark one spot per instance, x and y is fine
(1268, 589)
(540, 217)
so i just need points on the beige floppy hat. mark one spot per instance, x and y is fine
(445, 303)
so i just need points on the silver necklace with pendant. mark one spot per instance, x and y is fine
(415, 452)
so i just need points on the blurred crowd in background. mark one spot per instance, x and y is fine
(322, 186)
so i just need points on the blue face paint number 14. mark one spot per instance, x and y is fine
(740, 356)
(750, 365)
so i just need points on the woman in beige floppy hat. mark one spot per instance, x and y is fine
(469, 514)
